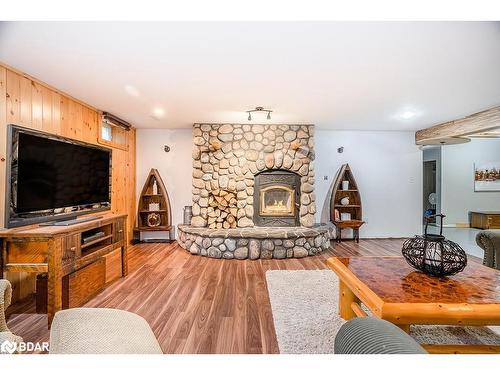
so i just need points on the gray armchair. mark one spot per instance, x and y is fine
(5, 298)
(489, 241)
(371, 335)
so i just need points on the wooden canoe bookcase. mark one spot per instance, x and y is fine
(354, 207)
(76, 269)
(164, 212)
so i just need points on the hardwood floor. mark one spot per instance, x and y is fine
(196, 304)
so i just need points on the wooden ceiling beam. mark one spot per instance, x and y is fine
(478, 122)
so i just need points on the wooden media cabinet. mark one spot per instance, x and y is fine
(79, 260)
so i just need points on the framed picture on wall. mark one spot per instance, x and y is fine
(487, 176)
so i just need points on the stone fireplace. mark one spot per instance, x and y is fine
(229, 158)
(251, 183)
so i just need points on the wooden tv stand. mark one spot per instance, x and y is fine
(76, 270)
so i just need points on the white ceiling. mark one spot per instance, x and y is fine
(353, 75)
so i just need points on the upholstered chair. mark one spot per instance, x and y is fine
(5, 298)
(371, 335)
(86, 330)
(489, 241)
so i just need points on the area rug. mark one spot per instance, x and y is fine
(305, 312)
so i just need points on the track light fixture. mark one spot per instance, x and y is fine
(259, 109)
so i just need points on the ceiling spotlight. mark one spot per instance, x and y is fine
(259, 109)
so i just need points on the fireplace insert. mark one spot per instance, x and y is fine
(276, 199)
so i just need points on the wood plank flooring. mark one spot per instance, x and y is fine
(196, 304)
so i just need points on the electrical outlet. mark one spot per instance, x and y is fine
(325, 178)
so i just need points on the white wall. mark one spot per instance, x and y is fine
(457, 171)
(387, 167)
(175, 167)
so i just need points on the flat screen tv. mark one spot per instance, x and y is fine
(53, 178)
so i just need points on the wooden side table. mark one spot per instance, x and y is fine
(345, 224)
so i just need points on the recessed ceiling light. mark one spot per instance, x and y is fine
(406, 115)
(158, 113)
(132, 91)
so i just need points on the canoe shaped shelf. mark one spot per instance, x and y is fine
(154, 212)
(346, 210)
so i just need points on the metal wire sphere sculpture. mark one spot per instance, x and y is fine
(433, 254)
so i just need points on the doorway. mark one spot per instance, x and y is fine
(430, 189)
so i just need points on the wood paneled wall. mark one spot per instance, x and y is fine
(28, 102)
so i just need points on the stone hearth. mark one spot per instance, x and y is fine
(253, 193)
(255, 243)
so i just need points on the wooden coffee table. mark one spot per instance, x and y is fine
(394, 291)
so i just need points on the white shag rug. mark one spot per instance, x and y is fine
(305, 313)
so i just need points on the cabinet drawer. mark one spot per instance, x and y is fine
(119, 230)
(494, 222)
(80, 286)
(71, 248)
(113, 265)
(27, 252)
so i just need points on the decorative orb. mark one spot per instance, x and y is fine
(153, 220)
(434, 255)
(344, 201)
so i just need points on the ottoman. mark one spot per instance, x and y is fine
(101, 331)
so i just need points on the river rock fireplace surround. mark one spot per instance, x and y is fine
(253, 193)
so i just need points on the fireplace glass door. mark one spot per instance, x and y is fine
(277, 201)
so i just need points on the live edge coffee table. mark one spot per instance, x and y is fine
(394, 291)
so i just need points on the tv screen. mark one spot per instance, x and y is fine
(50, 173)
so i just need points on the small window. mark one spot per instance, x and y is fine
(107, 132)
(113, 136)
